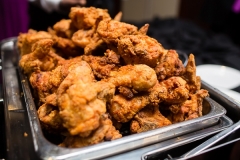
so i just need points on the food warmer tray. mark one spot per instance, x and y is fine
(18, 99)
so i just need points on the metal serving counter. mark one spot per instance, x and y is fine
(24, 139)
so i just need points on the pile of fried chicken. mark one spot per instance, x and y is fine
(91, 74)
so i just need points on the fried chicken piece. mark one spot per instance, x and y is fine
(111, 30)
(123, 110)
(105, 132)
(64, 28)
(26, 40)
(139, 77)
(85, 18)
(191, 108)
(49, 118)
(103, 65)
(140, 49)
(173, 91)
(88, 39)
(82, 101)
(83, 37)
(41, 58)
(148, 118)
(66, 48)
(169, 65)
(47, 83)
(194, 82)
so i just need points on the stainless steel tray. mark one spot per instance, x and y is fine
(15, 83)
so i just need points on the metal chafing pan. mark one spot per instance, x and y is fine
(17, 97)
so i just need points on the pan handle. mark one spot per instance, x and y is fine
(212, 140)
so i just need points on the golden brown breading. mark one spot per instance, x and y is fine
(140, 49)
(169, 65)
(139, 77)
(66, 48)
(85, 18)
(103, 65)
(173, 90)
(64, 28)
(105, 132)
(194, 82)
(41, 58)
(50, 118)
(82, 101)
(26, 40)
(147, 119)
(47, 83)
(123, 110)
(191, 108)
(111, 30)
(143, 30)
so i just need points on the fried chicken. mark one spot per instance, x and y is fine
(103, 65)
(42, 58)
(82, 101)
(191, 108)
(64, 28)
(26, 40)
(123, 109)
(139, 77)
(92, 73)
(140, 49)
(49, 118)
(147, 119)
(85, 18)
(47, 83)
(105, 132)
(66, 48)
(194, 81)
(111, 30)
(173, 90)
(169, 65)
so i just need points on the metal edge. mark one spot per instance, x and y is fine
(185, 139)
(6, 114)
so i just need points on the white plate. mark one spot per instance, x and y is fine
(233, 94)
(219, 76)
